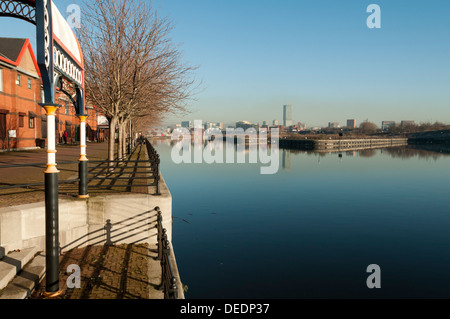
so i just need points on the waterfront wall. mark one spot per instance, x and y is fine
(441, 137)
(85, 222)
(341, 145)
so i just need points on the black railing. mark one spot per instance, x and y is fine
(153, 157)
(168, 279)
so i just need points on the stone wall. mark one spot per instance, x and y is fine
(131, 217)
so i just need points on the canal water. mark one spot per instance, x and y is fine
(312, 229)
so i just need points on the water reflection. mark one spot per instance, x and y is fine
(286, 160)
(246, 153)
(403, 152)
(328, 215)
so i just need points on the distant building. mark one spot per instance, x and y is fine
(219, 125)
(275, 122)
(208, 125)
(386, 125)
(186, 124)
(351, 123)
(287, 115)
(334, 125)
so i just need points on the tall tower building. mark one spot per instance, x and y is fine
(287, 115)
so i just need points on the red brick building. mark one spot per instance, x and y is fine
(20, 93)
(23, 123)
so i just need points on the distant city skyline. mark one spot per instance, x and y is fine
(348, 123)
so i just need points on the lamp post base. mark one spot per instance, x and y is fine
(83, 175)
(53, 295)
(51, 232)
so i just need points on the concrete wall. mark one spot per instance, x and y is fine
(82, 222)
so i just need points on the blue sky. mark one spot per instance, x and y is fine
(319, 56)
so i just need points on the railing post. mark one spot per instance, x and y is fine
(157, 177)
(173, 290)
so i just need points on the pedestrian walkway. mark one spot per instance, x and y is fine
(35, 174)
(110, 272)
(125, 177)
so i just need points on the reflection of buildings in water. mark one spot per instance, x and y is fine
(428, 151)
(286, 160)
(351, 153)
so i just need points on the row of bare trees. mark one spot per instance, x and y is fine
(397, 128)
(133, 70)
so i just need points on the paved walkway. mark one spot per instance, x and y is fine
(124, 179)
(35, 174)
(111, 272)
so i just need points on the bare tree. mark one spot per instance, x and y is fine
(368, 127)
(132, 68)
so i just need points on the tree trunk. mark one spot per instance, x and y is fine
(124, 141)
(112, 142)
(120, 146)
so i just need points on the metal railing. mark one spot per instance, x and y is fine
(153, 157)
(168, 280)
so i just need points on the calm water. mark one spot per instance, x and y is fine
(311, 230)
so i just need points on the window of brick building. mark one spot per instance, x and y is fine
(2, 125)
(19, 79)
(1, 80)
(31, 119)
(21, 119)
(3, 130)
(29, 84)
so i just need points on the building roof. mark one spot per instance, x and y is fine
(10, 48)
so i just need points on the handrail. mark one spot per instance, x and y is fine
(154, 160)
(168, 281)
